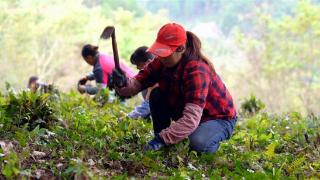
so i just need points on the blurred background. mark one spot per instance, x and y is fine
(266, 48)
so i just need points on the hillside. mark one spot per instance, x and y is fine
(69, 136)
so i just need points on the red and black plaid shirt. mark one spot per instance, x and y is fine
(191, 81)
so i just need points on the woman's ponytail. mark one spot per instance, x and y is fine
(193, 49)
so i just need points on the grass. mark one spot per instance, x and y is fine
(70, 136)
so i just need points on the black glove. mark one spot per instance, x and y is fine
(119, 79)
(82, 81)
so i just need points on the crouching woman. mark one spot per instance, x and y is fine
(190, 92)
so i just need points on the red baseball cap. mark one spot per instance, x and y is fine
(169, 38)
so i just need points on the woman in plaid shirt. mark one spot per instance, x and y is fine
(190, 93)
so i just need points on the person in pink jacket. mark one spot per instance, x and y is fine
(190, 92)
(102, 68)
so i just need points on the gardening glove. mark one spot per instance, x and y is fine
(81, 85)
(155, 144)
(82, 81)
(119, 79)
(113, 85)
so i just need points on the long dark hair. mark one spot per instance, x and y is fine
(89, 50)
(193, 49)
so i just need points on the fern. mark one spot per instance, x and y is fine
(296, 164)
(270, 150)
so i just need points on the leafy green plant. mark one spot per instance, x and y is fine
(10, 165)
(102, 96)
(30, 108)
(97, 141)
(252, 105)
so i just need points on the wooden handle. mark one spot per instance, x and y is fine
(115, 52)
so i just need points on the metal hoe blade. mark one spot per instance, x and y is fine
(107, 32)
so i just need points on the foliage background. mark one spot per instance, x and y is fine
(267, 48)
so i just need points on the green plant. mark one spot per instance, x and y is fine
(29, 108)
(10, 165)
(94, 141)
(252, 105)
(102, 96)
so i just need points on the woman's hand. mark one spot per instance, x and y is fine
(119, 79)
(83, 80)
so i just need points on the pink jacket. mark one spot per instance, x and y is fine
(106, 63)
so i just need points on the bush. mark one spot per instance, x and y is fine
(33, 109)
(252, 106)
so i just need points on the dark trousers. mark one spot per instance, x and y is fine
(160, 112)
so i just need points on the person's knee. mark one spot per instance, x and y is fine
(197, 143)
(200, 144)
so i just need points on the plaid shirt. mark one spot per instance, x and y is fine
(191, 81)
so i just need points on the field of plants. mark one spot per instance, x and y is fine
(69, 136)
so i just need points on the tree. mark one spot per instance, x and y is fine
(284, 55)
(45, 38)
